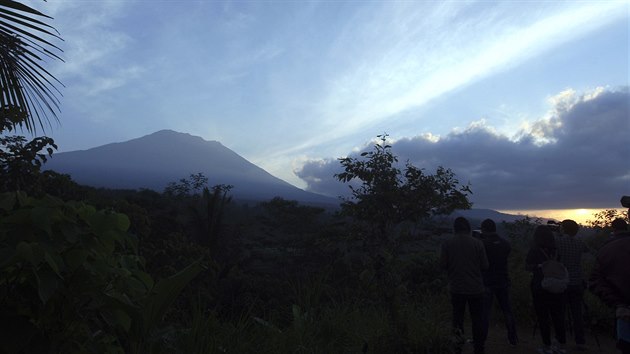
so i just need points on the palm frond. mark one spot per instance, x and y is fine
(30, 94)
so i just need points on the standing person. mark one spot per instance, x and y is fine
(496, 278)
(610, 280)
(625, 202)
(570, 250)
(620, 229)
(546, 304)
(464, 257)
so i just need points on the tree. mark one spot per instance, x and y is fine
(387, 195)
(206, 205)
(20, 162)
(29, 91)
(289, 216)
(186, 187)
(210, 216)
(603, 219)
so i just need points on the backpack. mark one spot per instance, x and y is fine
(555, 275)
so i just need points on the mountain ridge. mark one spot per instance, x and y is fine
(154, 160)
(478, 215)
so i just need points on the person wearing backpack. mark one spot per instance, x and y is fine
(547, 289)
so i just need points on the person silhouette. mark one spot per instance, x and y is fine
(609, 280)
(496, 278)
(464, 258)
(546, 304)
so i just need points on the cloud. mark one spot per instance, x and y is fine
(578, 156)
(95, 46)
(431, 51)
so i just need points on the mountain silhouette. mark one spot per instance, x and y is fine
(154, 160)
(476, 216)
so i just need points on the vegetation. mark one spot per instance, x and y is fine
(20, 162)
(601, 220)
(387, 195)
(30, 92)
(282, 277)
(601, 225)
(72, 281)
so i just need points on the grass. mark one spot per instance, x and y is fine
(331, 328)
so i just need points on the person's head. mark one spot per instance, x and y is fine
(619, 225)
(570, 227)
(543, 237)
(461, 226)
(488, 226)
(625, 202)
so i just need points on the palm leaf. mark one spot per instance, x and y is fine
(29, 95)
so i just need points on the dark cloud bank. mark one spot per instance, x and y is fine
(577, 158)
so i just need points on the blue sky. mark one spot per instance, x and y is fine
(293, 85)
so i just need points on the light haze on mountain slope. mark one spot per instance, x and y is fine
(154, 160)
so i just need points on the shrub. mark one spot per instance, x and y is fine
(71, 280)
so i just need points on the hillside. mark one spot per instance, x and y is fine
(154, 160)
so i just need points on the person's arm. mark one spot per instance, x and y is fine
(443, 257)
(483, 257)
(599, 285)
(589, 253)
(531, 261)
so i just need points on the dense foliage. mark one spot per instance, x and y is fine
(72, 281)
(21, 161)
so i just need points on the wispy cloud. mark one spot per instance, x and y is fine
(94, 45)
(115, 79)
(428, 52)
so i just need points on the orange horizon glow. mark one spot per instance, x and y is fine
(581, 216)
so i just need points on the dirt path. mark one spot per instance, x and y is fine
(497, 343)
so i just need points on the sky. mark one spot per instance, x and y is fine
(525, 100)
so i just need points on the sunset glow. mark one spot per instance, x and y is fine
(581, 216)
